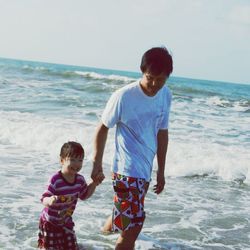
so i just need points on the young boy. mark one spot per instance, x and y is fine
(65, 187)
(140, 112)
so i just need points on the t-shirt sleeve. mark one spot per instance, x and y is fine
(165, 120)
(112, 111)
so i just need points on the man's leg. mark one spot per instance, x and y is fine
(128, 211)
(107, 228)
(126, 240)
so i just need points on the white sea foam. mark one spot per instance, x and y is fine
(108, 77)
(41, 133)
(216, 101)
(192, 157)
(201, 158)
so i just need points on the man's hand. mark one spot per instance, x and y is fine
(97, 174)
(160, 183)
(99, 178)
(99, 145)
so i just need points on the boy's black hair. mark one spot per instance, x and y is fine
(71, 149)
(156, 61)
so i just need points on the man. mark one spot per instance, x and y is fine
(140, 112)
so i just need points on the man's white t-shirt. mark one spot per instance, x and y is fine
(138, 118)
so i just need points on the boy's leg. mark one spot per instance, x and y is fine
(50, 236)
(70, 241)
(126, 240)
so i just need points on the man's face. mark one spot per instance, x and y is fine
(151, 84)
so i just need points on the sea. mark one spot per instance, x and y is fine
(206, 200)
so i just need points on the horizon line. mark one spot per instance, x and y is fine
(117, 70)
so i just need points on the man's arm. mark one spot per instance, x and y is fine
(162, 146)
(99, 145)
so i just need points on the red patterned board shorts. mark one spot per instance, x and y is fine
(128, 211)
(52, 237)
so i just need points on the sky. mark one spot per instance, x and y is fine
(208, 39)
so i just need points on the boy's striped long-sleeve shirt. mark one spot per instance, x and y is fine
(60, 213)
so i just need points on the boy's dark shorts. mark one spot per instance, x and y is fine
(129, 197)
(56, 238)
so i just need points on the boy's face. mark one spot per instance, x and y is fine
(71, 165)
(151, 84)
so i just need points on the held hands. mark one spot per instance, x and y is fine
(97, 174)
(158, 188)
(99, 178)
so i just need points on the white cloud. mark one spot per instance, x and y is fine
(240, 15)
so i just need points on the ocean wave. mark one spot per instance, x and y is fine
(48, 71)
(190, 91)
(94, 75)
(77, 73)
(37, 68)
(210, 89)
(239, 105)
(222, 102)
(41, 133)
(4, 83)
(204, 159)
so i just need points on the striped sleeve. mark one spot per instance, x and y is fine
(50, 189)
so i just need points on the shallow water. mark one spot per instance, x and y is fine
(206, 201)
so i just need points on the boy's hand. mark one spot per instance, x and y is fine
(52, 200)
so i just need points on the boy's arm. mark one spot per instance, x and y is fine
(92, 186)
(90, 190)
(99, 145)
(162, 146)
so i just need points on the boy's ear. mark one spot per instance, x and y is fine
(61, 160)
